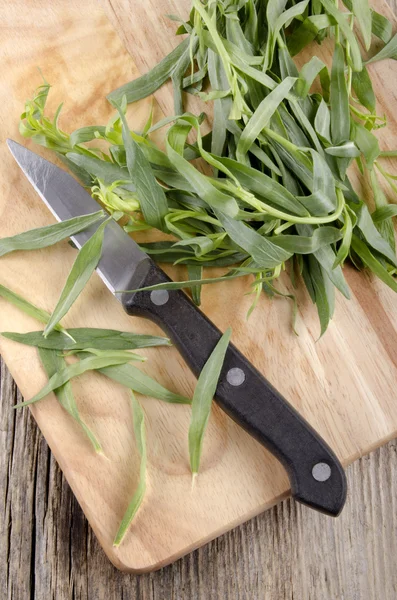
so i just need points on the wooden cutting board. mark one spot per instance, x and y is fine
(344, 384)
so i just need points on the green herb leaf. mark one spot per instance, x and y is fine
(261, 117)
(346, 150)
(346, 231)
(86, 134)
(43, 237)
(53, 363)
(75, 370)
(383, 213)
(202, 399)
(265, 254)
(362, 86)
(27, 307)
(180, 285)
(83, 267)
(372, 263)
(362, 12)
(82, 338)
(343, 23)
(322, 122)
(106, 171)
(388, 51)
(366, 142)
(152, 198)
(299, 244)
(200, 183)
(372, 235)
(317, 277)
(339, 99)
(150, 82)
(385, 228)
(381, 27)
(136, 380)
(195, 273)
(136, 501)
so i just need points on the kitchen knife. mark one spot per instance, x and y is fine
(316, 475)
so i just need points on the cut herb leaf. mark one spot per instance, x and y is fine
(136, 501)
(202, 399)
(137, 380)
(61, 377)
(81, 338)
(52, 363)
(34, 239)
(152, 198)
(83, 267)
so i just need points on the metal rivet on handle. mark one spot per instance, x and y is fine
(321, 471)
(235, 376)
(159, 297)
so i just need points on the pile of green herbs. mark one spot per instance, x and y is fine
(270, 191)
(274, 193)
(106, 351)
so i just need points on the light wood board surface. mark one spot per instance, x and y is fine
(343, 384)
(48, 550)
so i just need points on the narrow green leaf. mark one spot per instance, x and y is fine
(372, 235)
(261, 117)
(264, 186)
(326, 257)
(366, 142)
(307, 75)
(381, 27)
(136, 501)
(383, 213)
(180, 285)
(346, 150)
(303, 35)
(388, 51)
(49, 235)
(339, 99)
(346, 231)
(320, 293)
(362, 87)
(200, 183)
(195, 273)
(386, 228)
(265, 254)
(53, 363)
(202, 399)
(75, 370)
(153, 200)
(343, 23)
(299, 244)
(81, 338)
(134, 379)
(372, 263)
(362, 12)
(86, 134)
(322, 122)
(105, 171)
(218, 81)
(27, 307)
(82, 269)
(150, 82)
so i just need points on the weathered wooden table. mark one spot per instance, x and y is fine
(47, 549)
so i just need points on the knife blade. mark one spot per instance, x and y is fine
(316, 476)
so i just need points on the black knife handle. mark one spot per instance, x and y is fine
(316, 475)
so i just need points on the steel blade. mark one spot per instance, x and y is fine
(66, 198)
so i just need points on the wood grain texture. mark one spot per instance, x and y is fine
(48, 550)
(344, 387)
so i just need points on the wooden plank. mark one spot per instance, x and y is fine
(345, 390)
(48, 550)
